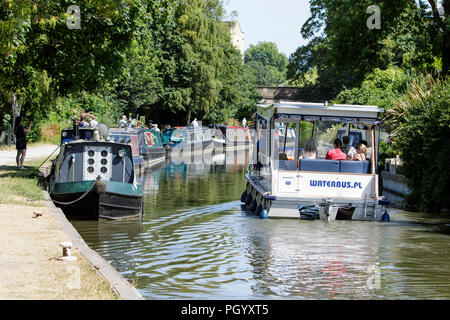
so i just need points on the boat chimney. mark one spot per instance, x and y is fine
(76, 130)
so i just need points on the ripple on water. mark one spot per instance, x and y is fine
(196, 242)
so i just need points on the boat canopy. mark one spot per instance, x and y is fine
(322, 112)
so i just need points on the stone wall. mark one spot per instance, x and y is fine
(395, 186)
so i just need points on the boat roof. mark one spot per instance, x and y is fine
(125, 130)
(191, 128)
(80, 128)
(230, 127)
(97, 142)
(323, 110)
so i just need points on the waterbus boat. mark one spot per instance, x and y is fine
(94, 178)
(187, 139)
(283, 183)
(146, 144)
(231, 138)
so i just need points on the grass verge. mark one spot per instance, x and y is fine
(21, 186)
(20, 192)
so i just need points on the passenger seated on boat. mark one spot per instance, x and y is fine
(360, 153)
(369, 149)
(347, 148)
(309, 152)
(336, 153)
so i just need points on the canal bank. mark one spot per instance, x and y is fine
(29, 263)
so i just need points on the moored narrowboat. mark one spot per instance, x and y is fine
(231, 138)
(187, 140)
(96, 179)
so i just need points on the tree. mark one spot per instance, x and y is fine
(420, 125)
(443, 24)
(266, 63)
(43, 57)
(344, 50)
(201, 72)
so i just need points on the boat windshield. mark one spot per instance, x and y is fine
(179, 136)
(313, 138)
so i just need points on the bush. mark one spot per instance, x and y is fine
(104, 109)
(420, 124)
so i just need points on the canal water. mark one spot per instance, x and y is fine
(196, 242)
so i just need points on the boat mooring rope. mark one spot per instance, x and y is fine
(35, 170)
(82, 196)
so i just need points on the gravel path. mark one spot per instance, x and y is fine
(33, 152)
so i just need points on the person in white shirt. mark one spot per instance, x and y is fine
(347, 148)
(194, 123)
(244, 122)
(93, 123)
(123, 122)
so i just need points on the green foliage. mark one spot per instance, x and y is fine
(420, 124)
(42, 58)
(380, 88)
(165, 59)
(266, 64)
(344, 50)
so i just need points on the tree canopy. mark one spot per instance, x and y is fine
(266, 64)
(344, 50)
(165, 59)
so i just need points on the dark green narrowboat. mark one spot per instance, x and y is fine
(96, 179)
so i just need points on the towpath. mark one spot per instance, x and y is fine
(33, 152)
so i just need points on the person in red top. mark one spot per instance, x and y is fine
(336, 153)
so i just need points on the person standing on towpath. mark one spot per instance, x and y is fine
(21, 141)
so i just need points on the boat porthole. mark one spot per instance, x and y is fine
(91, 153)
(103, 170)
(104, 162)
(91, 161)
(90, 169)
(104, 153)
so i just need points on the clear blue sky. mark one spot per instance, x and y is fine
(276, 21)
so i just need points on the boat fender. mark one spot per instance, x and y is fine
(264, 214)
(244, 196)
(253, 206)
(248, 200)
(386, 217)
(100, 187)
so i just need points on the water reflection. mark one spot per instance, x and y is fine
(196, 242)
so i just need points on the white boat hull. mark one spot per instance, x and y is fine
(329, 208)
